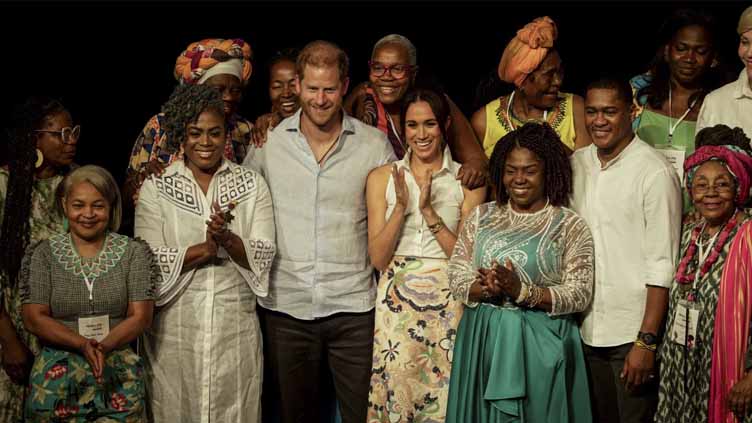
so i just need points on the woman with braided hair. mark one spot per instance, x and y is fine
(523, 266)
(42, 144)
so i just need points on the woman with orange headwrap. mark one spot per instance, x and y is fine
(533, 65)
(222, 64)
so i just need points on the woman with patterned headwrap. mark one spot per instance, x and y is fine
(704, 355)
(223, 64)
(531, 62)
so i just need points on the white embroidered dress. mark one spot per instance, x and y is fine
(203, 352)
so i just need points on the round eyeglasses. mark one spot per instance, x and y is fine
(67, 134)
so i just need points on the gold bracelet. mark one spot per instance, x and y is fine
(436, 227)
(645, 346)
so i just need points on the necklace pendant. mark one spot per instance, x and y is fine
(691, 296)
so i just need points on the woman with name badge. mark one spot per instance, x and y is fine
(669, 95)
(703, 356)
(87, 294)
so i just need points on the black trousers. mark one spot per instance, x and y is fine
(298, 354)
(611, 402)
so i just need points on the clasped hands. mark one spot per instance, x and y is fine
(94, 352)
(218, 234)
(497, 281)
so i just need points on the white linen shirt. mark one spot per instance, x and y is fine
(730, 105)
(633, 206)
(446, 198)
(322, 265)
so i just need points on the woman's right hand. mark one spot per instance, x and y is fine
(484, 288)
(89, 349)
(401, 194)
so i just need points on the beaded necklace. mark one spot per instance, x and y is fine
(682, 276)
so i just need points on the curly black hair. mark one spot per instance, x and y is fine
(546, 144)
(656, 92)
(21, 142)
(185, 105)
(723, 135)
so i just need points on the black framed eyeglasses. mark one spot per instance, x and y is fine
(397, 71)
(66, 134)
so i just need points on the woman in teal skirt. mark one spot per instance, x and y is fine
(523, 266)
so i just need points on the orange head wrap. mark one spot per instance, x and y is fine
(527, 50)
(201, 56)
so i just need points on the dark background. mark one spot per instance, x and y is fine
(111, 64)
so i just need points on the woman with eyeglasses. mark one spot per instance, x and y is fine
(41, 147)
(531, 62)
(705, 362)
(393, 69)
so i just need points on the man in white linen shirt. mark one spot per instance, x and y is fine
(321, 295)
(630, 196)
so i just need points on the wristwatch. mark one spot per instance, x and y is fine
(647, 338)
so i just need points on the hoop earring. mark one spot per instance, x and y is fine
(40, 159)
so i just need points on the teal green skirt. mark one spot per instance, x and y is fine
(515, 365)
(63, 388)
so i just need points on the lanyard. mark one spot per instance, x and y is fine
(672, 128)
(509, 112)
(703, 256)
(90, 287)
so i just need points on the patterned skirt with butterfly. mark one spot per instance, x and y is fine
(63, 388)
(416, 324)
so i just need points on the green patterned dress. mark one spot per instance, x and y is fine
(515, 364)
(62, 385)
(685, 373)
(45, 221)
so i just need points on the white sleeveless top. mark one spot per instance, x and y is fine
(446, 197)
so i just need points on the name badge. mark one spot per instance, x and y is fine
(94, 327)
(684, 328)
(675, 155)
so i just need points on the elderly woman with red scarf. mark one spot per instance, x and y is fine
(704, 368)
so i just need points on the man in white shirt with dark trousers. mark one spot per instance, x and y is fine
(630, 196)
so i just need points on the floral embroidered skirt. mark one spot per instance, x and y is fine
(416, 323)
(63, 388)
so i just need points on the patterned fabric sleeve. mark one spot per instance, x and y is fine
(143, 273)
(34, 277)
(260, 247)
(143, 148)
(462, 269)
(148, 226)
(578, 270)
